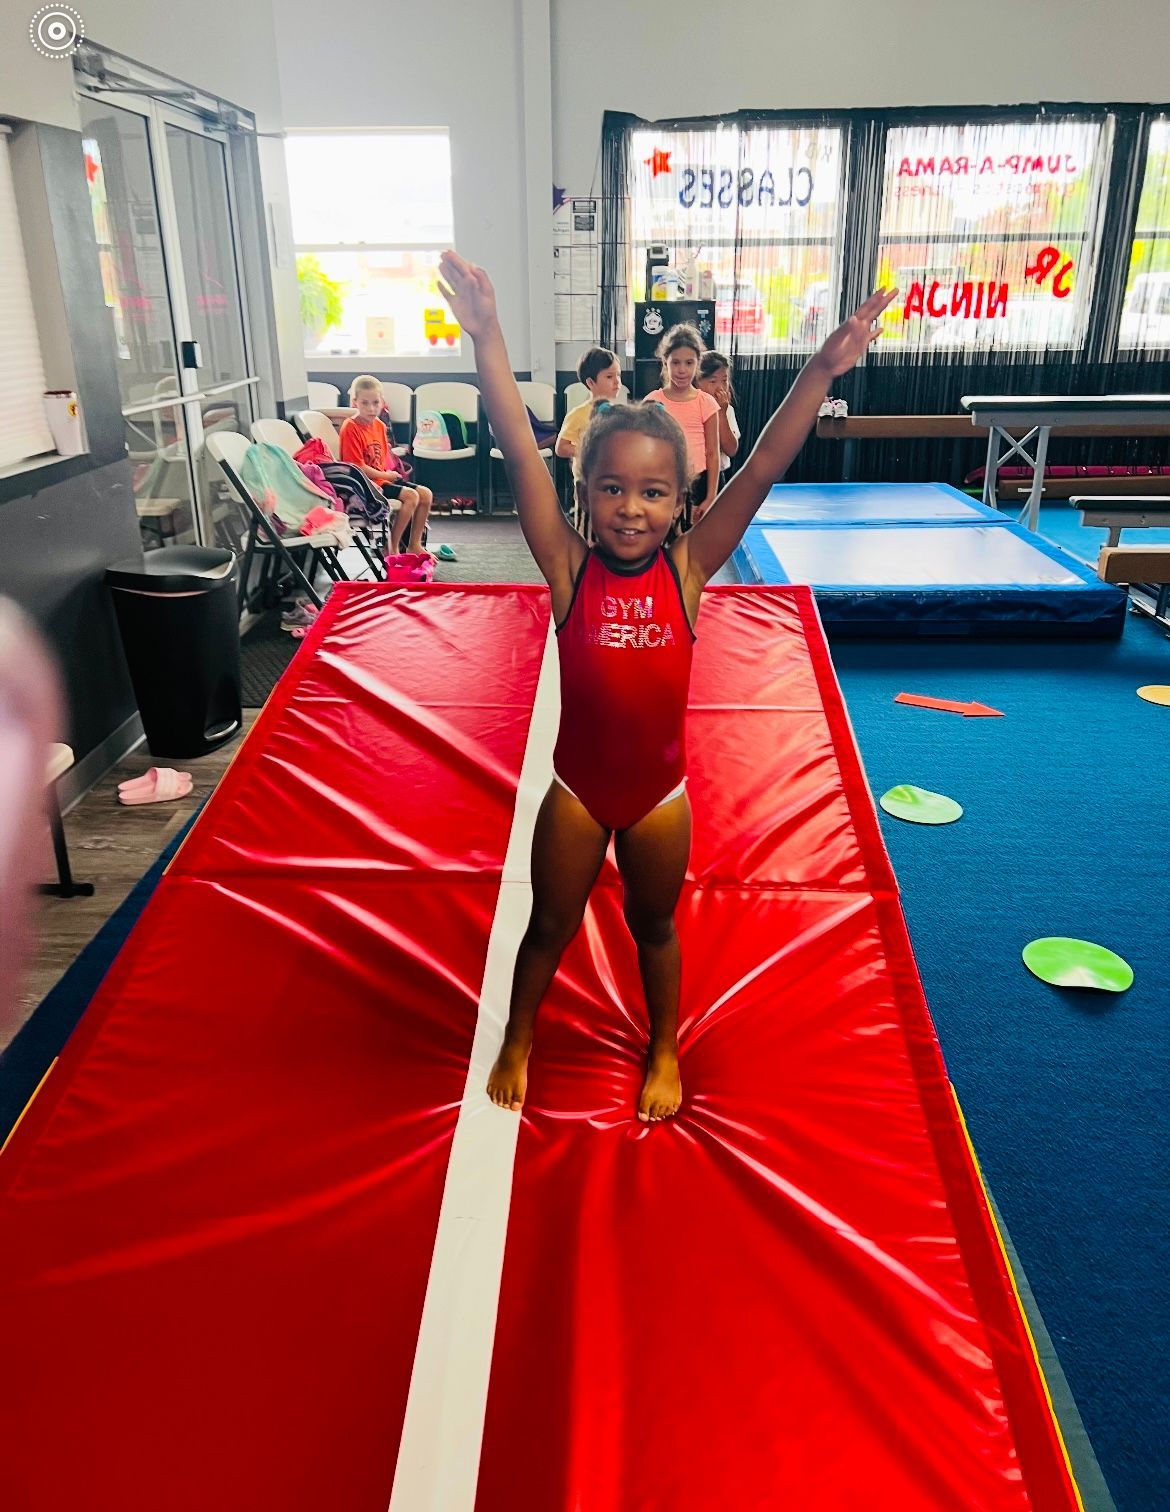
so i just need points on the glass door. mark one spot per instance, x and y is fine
(166, 228)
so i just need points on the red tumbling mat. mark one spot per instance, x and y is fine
(220, 1214)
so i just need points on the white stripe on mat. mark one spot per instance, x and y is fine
(442, 1434)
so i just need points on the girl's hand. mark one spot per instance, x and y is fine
(849, 342)
(468, 290)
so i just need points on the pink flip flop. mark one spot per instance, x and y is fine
(139, 784)
(159, 785)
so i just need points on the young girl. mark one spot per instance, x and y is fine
(715, 379)
(680, 352)
(624, 611)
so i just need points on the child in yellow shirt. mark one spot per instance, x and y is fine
(601, 374)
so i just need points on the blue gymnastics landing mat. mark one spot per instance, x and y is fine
(922, 559)
(872, 503)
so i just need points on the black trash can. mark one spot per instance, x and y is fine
(180, 627)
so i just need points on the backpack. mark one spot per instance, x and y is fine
(456, 430)
(431, 432)
(439, 431)
(279, 487)
(544, 432)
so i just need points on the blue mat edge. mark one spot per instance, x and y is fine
(1088, 607)
(44, 1034)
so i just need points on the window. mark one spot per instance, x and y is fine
(756, 211)
(990, 231)
(24, 431)
(1145, 314)
(371, 214)
(118, 167)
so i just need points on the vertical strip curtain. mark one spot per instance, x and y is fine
(1027, 243)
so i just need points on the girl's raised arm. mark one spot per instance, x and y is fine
(556, 546)
(701, 552)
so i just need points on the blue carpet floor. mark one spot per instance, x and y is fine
(1066, 827)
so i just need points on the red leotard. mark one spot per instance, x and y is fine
(625, 652)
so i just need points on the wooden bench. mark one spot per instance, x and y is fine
(1134, 564)
(1145, 571)
(955, 427)
(850, 428)
(1119, 486)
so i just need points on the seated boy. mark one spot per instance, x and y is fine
(364, 442)
(599, 371)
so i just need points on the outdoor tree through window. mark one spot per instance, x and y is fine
(367, 258)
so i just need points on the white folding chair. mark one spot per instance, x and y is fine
(281, 433)
(314, 426)
(277, 433)
(460, 399)
(576, 394)
(264, 542)
(31, 713)
(66, 886)
(541, 399)
(399, 399)
(323, 396)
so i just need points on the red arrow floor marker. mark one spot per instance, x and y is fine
(949, 706)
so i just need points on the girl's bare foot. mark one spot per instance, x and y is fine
(662, 1090)
(509, 1079)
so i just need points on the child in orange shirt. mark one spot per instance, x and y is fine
(364, 442)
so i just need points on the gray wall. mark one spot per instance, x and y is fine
(63, 523)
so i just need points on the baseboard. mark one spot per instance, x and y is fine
(1095, 1494)
(80, 777)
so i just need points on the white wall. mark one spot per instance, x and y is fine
(222, 46)
(290, 335)
(698, 57)
(402, 63)
(298, 65)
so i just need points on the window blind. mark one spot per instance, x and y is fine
(24, 431)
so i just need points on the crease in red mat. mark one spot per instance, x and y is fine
(219, 1213)
(793, 1295)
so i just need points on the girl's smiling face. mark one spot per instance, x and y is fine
(633, 494)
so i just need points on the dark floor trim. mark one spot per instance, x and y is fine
(94, 765)
(1086, 1470)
